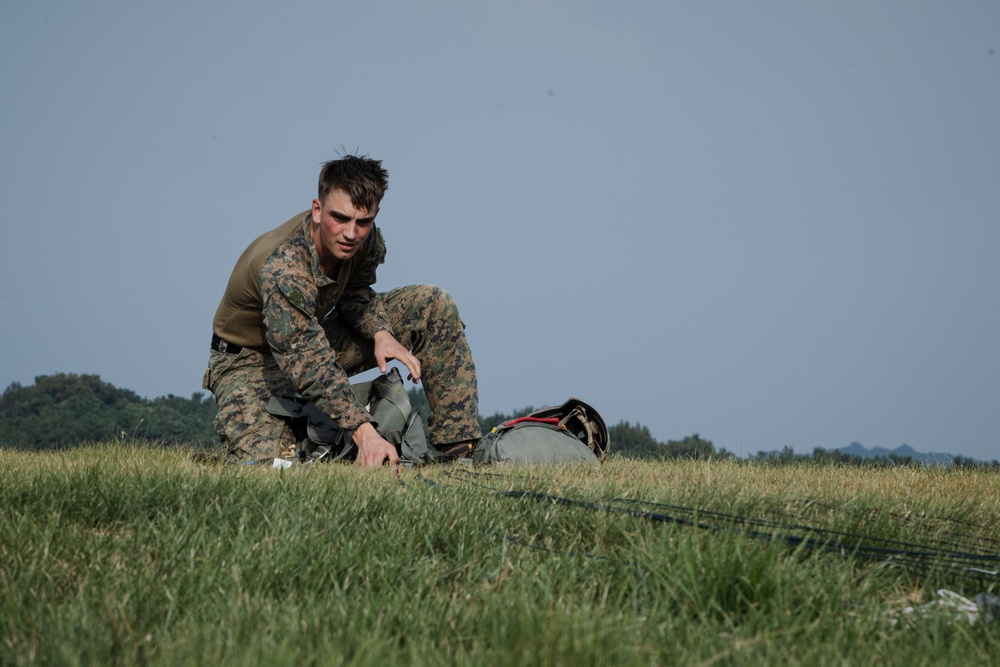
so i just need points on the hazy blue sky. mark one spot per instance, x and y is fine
(770, 223)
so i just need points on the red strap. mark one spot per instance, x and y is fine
(543, 420)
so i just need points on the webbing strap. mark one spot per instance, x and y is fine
(589, 427)
(401, 401)
(541, 420)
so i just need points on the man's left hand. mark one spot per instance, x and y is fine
(387, 347)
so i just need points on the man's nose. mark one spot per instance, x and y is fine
(351, 230)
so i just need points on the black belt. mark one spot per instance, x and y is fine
(223, 346)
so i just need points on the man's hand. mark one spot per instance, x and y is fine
(373, 449)
(387, 347)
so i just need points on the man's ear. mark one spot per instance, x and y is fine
(316, 211)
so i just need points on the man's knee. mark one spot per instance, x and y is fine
(247, 430)
(442, 305)
(423, 309)
(433, 296)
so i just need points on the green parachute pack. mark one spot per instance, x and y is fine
(569, 433)
(385, 398)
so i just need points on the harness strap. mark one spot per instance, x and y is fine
(542, 420)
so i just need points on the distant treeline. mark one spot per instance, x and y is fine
(67, 410)
(838, 458)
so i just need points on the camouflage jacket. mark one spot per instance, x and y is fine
(277, 298)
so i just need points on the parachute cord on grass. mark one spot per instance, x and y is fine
(955, 563)
(419, 476)
(905, 548)
(915, 558)
(982, 542)
(469, 477)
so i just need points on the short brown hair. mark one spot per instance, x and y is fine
(362, 178)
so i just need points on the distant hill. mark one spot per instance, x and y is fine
(904, 451)
(856, 453)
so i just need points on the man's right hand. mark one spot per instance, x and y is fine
(373, 449)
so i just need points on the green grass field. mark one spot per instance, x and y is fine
(121, 554)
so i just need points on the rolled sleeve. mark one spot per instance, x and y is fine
(302, 351)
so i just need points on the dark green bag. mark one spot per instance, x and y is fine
(569, 433)
(384, 397)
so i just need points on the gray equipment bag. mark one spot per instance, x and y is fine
(569, 433)
(386, 400)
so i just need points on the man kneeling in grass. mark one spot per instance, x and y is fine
(299, 316)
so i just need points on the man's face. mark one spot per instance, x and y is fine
(338, 227)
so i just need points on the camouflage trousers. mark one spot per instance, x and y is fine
(424, 318)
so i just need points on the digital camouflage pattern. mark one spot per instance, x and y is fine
(242, 383)
(296, 295)
(426, 320)
(318, 332)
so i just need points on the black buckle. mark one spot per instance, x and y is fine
(222, 346)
